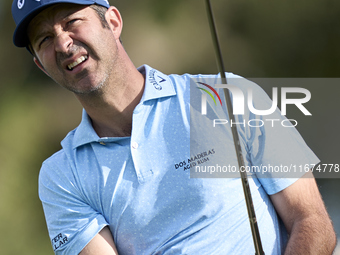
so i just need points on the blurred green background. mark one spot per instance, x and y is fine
(259, 39)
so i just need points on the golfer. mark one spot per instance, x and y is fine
(121, 184)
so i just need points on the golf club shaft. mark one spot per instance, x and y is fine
(238, 149)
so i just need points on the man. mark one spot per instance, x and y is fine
(119, 185)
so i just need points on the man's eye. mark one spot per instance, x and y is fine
(71, 21)
(46, 38)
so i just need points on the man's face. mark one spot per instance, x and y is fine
(73, 47)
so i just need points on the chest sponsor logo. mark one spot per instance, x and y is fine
(195, 160)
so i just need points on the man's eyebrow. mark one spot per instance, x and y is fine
(38, 34)
(41, 33)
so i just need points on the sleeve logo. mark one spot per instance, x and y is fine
(59, 241)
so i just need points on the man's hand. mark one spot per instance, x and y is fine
(102, 244)
(303, 212)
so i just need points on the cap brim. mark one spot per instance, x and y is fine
(20, 38)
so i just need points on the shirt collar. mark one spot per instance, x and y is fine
(157, 85)
(84, 133)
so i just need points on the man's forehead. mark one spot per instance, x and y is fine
(49, 16)
(57, 11)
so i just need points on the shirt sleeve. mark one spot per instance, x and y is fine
(272, 144)
(71, 221)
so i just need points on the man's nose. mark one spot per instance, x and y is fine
(63, 42)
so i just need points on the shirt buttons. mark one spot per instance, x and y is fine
(134, 145)
(102, 143)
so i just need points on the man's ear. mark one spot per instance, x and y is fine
(115, 21)
(37, 62)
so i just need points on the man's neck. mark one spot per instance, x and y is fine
(111, 111)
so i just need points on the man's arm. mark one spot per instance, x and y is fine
(302, 210)
(102, 244)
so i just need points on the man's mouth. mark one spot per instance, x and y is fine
(80, 60)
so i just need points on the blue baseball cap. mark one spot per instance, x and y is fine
(24, 11)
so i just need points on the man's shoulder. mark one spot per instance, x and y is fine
(60, 158)
(237, 80)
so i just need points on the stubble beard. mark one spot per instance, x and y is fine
(108, 65)
(89, 89)
(94, 90)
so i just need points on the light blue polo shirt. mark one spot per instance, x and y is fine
(141, 186)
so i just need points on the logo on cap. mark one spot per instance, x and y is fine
(21, 3)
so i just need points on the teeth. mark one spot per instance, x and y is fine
(77, 62)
